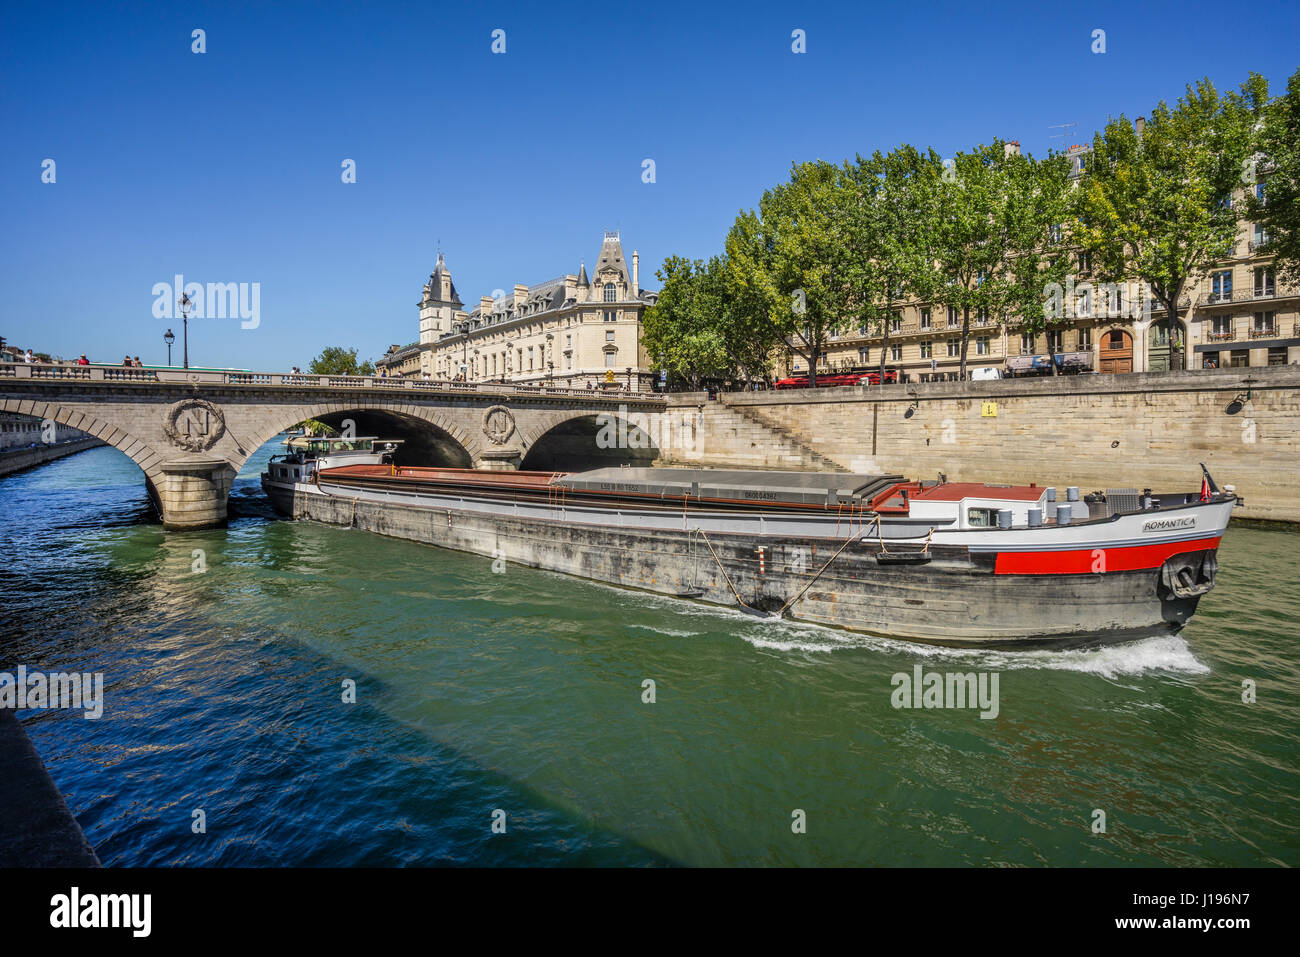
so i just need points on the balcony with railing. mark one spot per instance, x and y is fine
(1222, 335)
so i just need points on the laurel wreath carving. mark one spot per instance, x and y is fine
(498, 424)
(182, 416)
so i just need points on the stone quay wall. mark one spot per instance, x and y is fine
(1146, 430)
(15, 460)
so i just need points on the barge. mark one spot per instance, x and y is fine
(950, 563)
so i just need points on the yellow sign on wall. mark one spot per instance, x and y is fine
(989, 410)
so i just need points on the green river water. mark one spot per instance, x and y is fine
(523, 692)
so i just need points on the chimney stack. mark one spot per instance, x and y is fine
(1140, 125)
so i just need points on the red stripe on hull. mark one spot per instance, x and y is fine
(1086, 561)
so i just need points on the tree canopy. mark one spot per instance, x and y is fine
(987, 234)
(336, 360)
(1276, 170)
(1157, 205)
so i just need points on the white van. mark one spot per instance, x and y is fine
(986, 372)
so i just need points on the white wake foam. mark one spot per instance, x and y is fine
(1166, 653)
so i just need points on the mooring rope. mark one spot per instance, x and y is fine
(812, 581)
(722, 568)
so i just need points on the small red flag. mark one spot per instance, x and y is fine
(1205, 489)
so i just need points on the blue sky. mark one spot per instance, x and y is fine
(225, 166)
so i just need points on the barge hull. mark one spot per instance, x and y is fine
(955, 598)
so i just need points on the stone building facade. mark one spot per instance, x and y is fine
(573, 331)
(400, 361)
(1236, 313)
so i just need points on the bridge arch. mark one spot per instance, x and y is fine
(443, 441)
(573, 442)
(129, 445)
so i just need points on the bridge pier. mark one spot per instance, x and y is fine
(499, 460)
(192, 493)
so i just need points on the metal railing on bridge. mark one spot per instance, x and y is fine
(102, 373)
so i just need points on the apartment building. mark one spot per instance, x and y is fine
(573, 331)
(1236, 313)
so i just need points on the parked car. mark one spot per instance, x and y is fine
(986, 372)
(830, 380)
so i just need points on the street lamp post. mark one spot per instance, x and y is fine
(185, 302)
(169, 337)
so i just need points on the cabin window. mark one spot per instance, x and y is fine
(981, 517)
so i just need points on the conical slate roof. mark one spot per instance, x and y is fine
(435, 282)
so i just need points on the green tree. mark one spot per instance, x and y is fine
(994, 206)
(748, 335)
(704, 326)
(336, 360)
(682, 331)
(789, 260)
(889, 204)
(1278, 170)
(1158, 206)
(1027, 294)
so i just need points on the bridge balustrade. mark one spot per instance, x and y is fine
(114, 373)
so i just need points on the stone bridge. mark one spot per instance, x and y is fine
(190, 431)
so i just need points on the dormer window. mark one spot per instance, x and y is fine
(611, 294)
